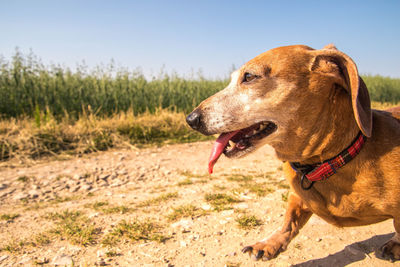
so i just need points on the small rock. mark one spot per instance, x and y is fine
(123, 172)
(232, 254)
(104, 176)
(75, 249)
(318, 239)
(3, 258)
(86, 187)
(76, 177)
(62, 260)
(194, 237)
(35, 187)
(3, 186)
(221, 232)
(42, 261)
(94, 215)
(100, 253)
(74, 189)
(116, 184)
(101, 262)
(206, 207)
(241, 206)
(183, 244)
(25, 259)
(21, 196)
(34, 193)
(227, 213)
(184, 223)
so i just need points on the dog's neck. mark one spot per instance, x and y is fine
(326, 139)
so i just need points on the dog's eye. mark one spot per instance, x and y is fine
(248, 77)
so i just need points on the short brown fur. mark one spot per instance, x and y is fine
(320, 104)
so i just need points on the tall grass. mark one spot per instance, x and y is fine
(383, 89)
(24, 139)
(27, 87)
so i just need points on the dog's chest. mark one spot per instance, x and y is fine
(341, 208)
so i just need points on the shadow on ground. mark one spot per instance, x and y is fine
(351, 253)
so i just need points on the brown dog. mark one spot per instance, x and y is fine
(311, 106)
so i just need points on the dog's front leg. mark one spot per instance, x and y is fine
(297, 215)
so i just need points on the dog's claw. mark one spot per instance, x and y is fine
(247, 249)
(391, 250)
(260, 254)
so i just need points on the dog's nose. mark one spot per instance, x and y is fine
(193, 119)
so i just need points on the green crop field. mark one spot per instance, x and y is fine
(26, 85)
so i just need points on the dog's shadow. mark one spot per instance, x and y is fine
(352, 253)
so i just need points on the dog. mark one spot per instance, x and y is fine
(340, 157)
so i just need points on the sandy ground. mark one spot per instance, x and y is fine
(129, 178)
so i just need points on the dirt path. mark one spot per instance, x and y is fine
(112, 196)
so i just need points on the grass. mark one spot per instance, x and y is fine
(9, 216)
(240, 178)
(28, 87)
(260, 189)
(187, 210)
(106, 208)
(220, 201)
(285, 196)
(135, 230)
(189, 174)
(111, 253)
(23, 179)
(17, 246)
(246, 182)
(248, 221)
(42, 239)
(23, 138)
(157, 200)
(74, 227)
(187, 181)
(13, 246)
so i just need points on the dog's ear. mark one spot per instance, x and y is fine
(343, 71)
(330, 46)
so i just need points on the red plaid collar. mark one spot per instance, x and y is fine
(329, 167)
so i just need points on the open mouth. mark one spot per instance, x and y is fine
(239, 142)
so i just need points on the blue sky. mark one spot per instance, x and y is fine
(186, 35)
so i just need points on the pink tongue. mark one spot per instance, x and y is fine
(218, 148)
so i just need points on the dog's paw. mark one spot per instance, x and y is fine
(267, 250)
(391, 249)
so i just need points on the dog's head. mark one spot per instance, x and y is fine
(278, 98)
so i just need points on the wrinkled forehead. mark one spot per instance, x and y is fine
(280, 58)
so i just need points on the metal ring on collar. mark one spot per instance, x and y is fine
(303, 177)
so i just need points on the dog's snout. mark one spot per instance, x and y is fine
(194, 119)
